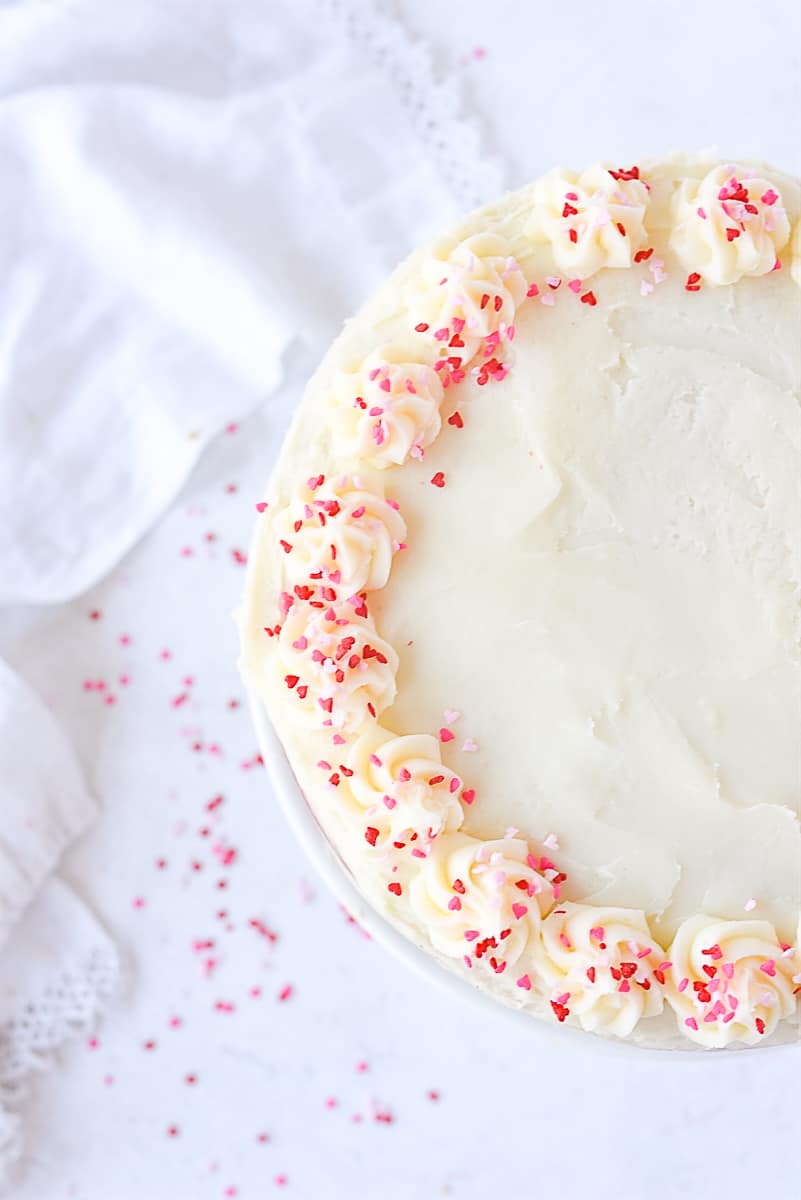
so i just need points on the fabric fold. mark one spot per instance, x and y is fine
(44, 801)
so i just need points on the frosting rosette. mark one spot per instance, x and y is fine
(387, 410)
(729, 224)
(730, 981)
(466, 298)
(592, 220)
(341, 534)
(400, 790)
(481, 901)
(602, 966)
(338, 671)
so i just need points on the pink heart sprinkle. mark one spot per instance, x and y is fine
(454, 904)
(574, 285)
(519, 910)
(524, 982)
(469, 795)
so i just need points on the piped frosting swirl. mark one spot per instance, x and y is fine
(729, 981)
(466, 299)
(387, 410)
(400, 790)
(729, 224)
(592, 220)
(337, 670)
(601, 967)
(340, 533)
(481, 901)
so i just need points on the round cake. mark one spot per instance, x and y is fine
(523, 601)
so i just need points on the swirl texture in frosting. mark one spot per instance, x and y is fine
(387, 410)
(729, 224)
(339, 531)
(730, 981)
(466, 298)
(481, 901)
(602, 966)
(592, 220)
(400, 789)
(337, 670)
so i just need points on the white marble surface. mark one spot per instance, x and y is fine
(359, 1039)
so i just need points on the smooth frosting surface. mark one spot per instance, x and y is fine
(613, 609)
(572, 495)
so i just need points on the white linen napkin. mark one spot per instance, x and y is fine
(56, 965)
(186, 187)
(189, 189)
(44, 800)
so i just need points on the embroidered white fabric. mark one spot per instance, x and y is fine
(451, 135)
(59, 970)
(57, 965)
(217, 152)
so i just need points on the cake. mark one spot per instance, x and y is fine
(523, 601)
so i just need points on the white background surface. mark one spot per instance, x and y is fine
(359, 1039)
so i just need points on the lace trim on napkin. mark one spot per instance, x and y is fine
(67, 1007)
(452, 136)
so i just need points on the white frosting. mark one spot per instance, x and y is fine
(729, 981)
(334, 666)
(480, 900)
(341, 533)
(388, 408)
(795, 250)
(604, 582)
(399, 789)
(592, 220)
(599, 965)
(729, 224)
(467, 295)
